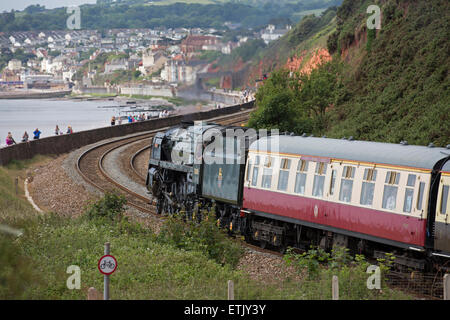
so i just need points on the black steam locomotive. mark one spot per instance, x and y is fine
(180, 179)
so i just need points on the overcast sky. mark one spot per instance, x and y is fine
(49, 4)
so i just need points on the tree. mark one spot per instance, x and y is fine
(278, 106)
(297, 102)
(317, 93)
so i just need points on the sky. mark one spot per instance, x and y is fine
(49, 4)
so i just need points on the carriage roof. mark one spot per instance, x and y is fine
(354, 150)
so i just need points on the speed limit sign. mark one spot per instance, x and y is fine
(107, 264)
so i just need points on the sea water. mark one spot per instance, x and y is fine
(18, 116)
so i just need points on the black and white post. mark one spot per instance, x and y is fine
(106, 276)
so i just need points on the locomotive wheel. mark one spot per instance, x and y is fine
(159, 206)
(262, 244)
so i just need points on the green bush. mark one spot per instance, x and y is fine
(202, 236)
(110, 206)
(16, 269)
(321, 266)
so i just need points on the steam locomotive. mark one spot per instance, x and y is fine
(285, 190)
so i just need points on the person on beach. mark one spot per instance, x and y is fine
(37, 134)
(113, 120)
(57, 130)
(25, 137)
(9, 139)
(69, 130)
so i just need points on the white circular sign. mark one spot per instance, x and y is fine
(107, 264)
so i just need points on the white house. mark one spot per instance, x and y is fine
(271, 33)
(14, 65)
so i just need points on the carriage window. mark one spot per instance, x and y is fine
(409, 193)
(255, 176)
(284, 174)
(389, 197)
(392, 177)
(411, 180)
(333, 182)
(390, 190)
(249, 169)
(267, 178)
(420, 195)
(300, 179)
(267, 173)
(321, 168)
(268, 162)
(368, 187)
(444, 199)
(345, 193)
(255, 171)
(319, 179)
(302, 166)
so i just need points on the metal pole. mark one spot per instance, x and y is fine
(447, 286)
(335, 288)
(230, 290)
(105, 277)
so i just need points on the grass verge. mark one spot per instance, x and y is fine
(186, 261)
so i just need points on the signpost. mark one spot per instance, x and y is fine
(107, 265)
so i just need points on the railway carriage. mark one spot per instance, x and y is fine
(368, 196)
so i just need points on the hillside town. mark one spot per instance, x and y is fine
(72, 60)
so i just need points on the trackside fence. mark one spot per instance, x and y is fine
(244, 291)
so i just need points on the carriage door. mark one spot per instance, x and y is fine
(442, 222)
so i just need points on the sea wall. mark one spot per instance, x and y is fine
(147, 91)
(35, 95)
(66, 143)
(220, 97)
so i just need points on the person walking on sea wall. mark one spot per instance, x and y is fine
(69, 130)
(113, 120)
(9, 139)
(57, 130)
(37, 134)
(25, 137)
